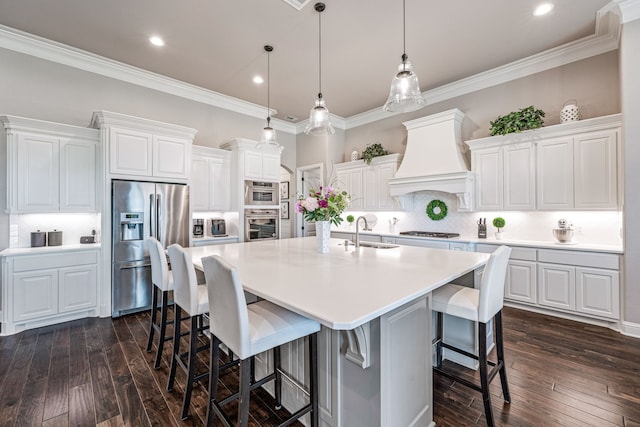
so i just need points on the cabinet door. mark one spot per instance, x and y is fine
(519, 177)
(521, 281)
(555, 174)
(220, 183)
(383, 174)
(487, 164)
(170, 157)
(253, 165)
(38, 168)
(200, 184)
(556, 286)
(130, 152)
(435, 244)
(35, 294)
(370, 188)
(598, 292)
(595, 170)
(77, 176)
(271, 167)
(77, 288)
(350, 180)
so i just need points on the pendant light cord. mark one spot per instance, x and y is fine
(320, 54)
(268, 86)
(404, 35)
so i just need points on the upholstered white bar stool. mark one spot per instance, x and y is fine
(248, 330)
(478, 305)
(194, 300)
(162, 282)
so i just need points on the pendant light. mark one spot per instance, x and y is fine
(319, 120)
(405, 95)
(268, 133)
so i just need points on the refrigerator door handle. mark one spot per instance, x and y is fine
(158, 216)
(153, 222)
(131, 265)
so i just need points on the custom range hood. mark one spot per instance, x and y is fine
(434, 159)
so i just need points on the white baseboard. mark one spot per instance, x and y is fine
(630, 329)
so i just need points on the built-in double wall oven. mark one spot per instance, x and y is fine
(261, 224)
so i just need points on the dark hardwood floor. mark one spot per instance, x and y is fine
(97, 372)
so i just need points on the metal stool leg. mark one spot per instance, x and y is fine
(245, 388)
(163, 328)
(214, 374)
(313, 380)
(500, 354)
(278, 381)
(191, 368)
(176, 346)
(439, 335)
(484, 380)
(154, 310)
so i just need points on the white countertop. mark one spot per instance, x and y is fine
(540, 244)
(49, 249)
(346, 287)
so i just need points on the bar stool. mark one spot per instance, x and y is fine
(162, 280)
(248, 330)
(478, 305)
(193, 299)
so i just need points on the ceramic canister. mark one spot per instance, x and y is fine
(54, 238)
(38, 239)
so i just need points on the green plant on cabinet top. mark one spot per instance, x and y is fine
(373, 150)
(517, 121)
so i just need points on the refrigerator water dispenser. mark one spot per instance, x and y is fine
(131, 226)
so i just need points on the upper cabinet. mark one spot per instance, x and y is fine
(368, 185)
(210, 179)
(51, 167)
(568, 166)
(145, 148)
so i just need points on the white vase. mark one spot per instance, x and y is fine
(323, 234)
(499, 235)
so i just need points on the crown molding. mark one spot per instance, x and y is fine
(629, 10)
(605, 39)
(49, 50)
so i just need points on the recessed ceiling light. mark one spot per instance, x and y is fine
(543, 9)
(156, 41)
(258, 80)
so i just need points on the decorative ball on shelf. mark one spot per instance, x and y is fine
(436, 210)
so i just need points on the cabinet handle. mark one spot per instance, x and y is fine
(134, 265)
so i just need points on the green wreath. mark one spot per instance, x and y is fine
(436, 210)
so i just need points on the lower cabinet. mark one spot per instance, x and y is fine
(47, 289)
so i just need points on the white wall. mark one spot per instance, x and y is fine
(630, 89)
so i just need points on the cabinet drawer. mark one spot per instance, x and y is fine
(583, 259)
(525, 254)
(39, 262)
(486, 249)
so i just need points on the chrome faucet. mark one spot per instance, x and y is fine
(366, 228)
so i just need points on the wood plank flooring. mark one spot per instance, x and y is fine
(96, 372)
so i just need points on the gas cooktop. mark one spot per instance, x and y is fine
(429, 234)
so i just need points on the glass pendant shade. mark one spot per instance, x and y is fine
(269, 134)
(319, 120)
(404, 95)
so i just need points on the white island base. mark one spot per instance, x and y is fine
(393, 390)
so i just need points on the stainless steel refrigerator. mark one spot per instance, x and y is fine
(140, 210)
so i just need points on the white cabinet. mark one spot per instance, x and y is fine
(556, 286)
(520, 282)
(505, 176)
(51, 167)
(579, 171)
(262, 166)
(145, 148)
(598, 292)
(44, 289)
(561, 167)
(368, 185)
(210, 179)
(350, 180)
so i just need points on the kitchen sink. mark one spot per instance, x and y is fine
(378, 245)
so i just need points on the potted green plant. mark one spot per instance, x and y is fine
(350, 219)
(373, 150)
(499, 222)
(517, 121)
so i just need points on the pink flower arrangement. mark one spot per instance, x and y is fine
(324, 204)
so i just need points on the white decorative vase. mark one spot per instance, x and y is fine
(355, 155)
(323, 234)
(499, 235)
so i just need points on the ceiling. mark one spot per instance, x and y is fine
(218, 44)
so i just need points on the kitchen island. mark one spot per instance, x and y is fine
(374, 305)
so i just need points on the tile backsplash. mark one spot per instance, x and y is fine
(72, 226)
(599, 227)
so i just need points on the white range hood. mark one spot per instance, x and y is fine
(434, 159)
